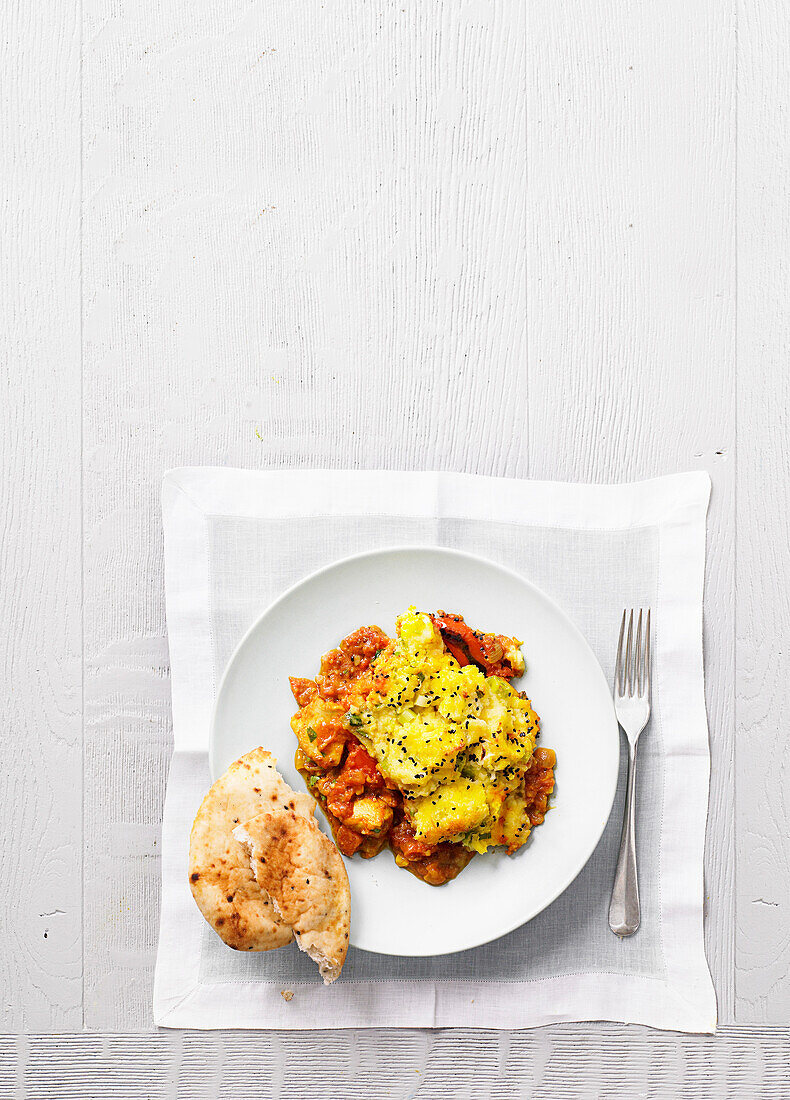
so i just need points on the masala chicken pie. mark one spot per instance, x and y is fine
(421, 743)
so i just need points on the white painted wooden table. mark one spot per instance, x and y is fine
(546, 240)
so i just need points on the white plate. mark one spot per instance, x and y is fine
(393, 912)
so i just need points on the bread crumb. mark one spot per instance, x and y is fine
(286, 994)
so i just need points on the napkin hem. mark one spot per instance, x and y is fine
(224, 491)
(437, 1004)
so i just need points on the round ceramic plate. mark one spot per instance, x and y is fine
(393, 912)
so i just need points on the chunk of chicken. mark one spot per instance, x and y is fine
(369, 815)
(320, 731)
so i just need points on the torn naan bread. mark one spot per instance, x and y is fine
(226, 891)
(304, 875)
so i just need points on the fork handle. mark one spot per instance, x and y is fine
(624, 907)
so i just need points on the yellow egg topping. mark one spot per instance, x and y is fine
(457, 743)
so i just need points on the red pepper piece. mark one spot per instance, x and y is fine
(486, 651)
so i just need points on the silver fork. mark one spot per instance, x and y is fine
(632, 707)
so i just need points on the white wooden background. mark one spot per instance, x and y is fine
(545, 239)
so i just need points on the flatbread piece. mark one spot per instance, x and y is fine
(304, 875)
(226, 891)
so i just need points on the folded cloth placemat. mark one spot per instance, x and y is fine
(236, 539)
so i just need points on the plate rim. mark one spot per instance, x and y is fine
(480, 560)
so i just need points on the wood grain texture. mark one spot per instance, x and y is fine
(558, 1063)
(763, 611)
(631, 302)
(318, 234)
(40, 413)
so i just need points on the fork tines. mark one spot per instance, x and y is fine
(632, 672)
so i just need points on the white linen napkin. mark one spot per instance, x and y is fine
(236, 539)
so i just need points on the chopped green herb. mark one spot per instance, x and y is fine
(311, 733)
(354, 719)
